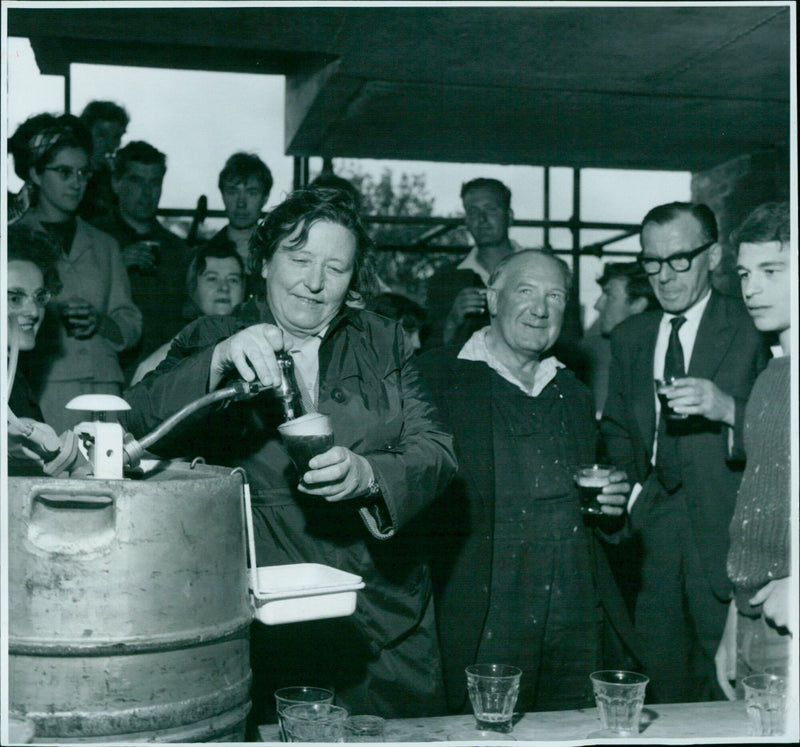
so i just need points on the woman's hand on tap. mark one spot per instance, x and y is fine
(251, 353)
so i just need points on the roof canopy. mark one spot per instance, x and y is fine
(615, 87)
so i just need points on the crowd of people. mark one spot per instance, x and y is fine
(458, 426)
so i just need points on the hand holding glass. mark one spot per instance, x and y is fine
(591, 479)
(663, 390)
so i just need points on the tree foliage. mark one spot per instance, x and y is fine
(405, 195)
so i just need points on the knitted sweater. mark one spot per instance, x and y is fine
(760, 544)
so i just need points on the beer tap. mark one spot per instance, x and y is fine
(287, 392)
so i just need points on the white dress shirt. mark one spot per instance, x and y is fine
(687, 334)
(475, 349)
(305, 354)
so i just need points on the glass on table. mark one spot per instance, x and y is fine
(765, 699)
(619, 696)
(493, 690)
(314, 722)
(364, 729)
(288, 696)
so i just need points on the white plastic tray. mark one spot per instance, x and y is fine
(300, 591)
(303, 591)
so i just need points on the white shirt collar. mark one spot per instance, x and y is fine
(470, 262)
(687, 334)
(475, 349)
(305, 353)
(693, 314)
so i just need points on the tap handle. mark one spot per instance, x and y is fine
(288, 392)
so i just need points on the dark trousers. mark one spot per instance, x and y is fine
(678, 616)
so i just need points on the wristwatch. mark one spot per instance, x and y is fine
(373, 489)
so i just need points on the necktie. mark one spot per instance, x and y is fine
(674, 365)
(667, 454)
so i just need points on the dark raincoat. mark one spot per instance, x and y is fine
(384, 658)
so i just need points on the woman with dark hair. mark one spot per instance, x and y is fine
(215, 284)
(32, 279)
(94, 317)
(402, 309)
(391, 456)
(19, 203)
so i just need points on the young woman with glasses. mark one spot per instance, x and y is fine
(93, 317)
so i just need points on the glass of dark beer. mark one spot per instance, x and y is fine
(591, 479)
(662, 387)
(305, 437)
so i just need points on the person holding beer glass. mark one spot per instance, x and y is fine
(519, 577)
(392, 455)
(93, 318)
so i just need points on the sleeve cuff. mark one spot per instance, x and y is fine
(376, 517)
(736, 452)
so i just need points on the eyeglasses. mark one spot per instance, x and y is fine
(17, 298)
(67, 172)
(679, 262)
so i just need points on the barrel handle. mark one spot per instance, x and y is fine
(90, 495)
(248, 521)
(77, 518)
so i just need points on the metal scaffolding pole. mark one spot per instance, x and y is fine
(300, 171)
(68, 89)
(547, 207)
(572, 320)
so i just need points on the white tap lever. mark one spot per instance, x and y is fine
(101, 441)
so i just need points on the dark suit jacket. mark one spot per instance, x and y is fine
(462, 521)
(730, 352)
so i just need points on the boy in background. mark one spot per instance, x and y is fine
(759, 627)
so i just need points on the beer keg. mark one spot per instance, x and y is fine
(128, 606)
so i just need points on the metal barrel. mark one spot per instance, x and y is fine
(128, 607)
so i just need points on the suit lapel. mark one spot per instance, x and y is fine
(644, 407)
(714, 336)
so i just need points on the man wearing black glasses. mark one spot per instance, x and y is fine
(684, 446)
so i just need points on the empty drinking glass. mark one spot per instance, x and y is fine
(287, 696)
(619, 696)
(765, 698)
(493, 690)
(364, 729)
(314, 722)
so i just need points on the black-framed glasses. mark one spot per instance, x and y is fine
(679, 262)
(17, 298)
(67, 172)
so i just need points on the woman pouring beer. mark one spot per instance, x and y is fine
(391, 456)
